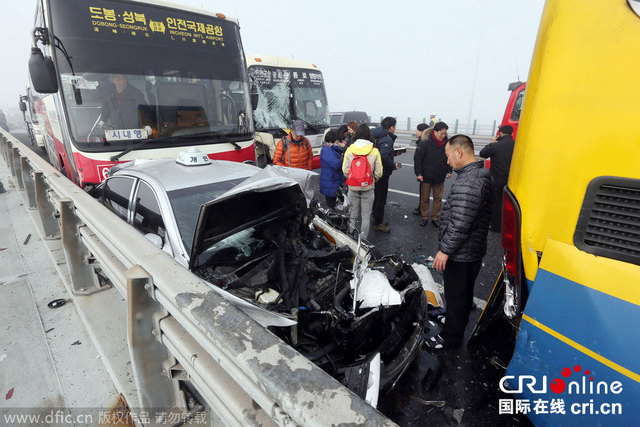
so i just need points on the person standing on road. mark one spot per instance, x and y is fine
(362, 197)
(500, 152)
(462, 238)
(430, 166)
(422, 127)
(331, 177)
(352, 127)
(294, 150)
(432, 120)
(385, 138)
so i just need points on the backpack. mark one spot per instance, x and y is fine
(360, 172)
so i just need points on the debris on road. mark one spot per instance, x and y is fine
(57, 303)
(458, 414)
(434, 403)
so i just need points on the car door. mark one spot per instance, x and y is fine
(146, 216)
(116, 195)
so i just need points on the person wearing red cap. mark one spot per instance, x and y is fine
(294, 150)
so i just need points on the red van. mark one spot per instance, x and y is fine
(514, 106)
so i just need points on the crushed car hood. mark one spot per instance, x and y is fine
(271, 189)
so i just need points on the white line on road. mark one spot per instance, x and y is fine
(406, 193)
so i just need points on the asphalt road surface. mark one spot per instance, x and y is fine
(451, 387)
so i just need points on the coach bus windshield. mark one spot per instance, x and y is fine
(285, 94)
(132, 71)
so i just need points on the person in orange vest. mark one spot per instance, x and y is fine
(294, 150)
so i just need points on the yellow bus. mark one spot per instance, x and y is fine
(571, 220)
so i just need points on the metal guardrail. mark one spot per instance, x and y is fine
(178, 328)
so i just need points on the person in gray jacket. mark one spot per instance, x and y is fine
(462, 238)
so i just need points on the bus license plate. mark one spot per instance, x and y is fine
(124, 134)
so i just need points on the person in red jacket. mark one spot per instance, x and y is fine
(294, 150)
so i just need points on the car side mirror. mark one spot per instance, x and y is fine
(155, 239)
(42, 72)
(23, 106)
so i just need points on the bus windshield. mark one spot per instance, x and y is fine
(132, 71)
(285, 94)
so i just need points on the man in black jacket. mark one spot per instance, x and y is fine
(385, 138)
(462, 239)
(430, 164)
(500, 153)
(419, 130)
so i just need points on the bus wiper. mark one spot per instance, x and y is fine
(201, 135)
(130, 149)
(177, 137)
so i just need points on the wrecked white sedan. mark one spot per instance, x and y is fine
(251, 234)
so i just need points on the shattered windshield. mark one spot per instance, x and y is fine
(186, 204)
(285, 94)
(132, 71)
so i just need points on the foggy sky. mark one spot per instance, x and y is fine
(403, 58)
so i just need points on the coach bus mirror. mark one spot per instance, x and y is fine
(254, 100)
(253, 93)
(23, 106)
(77, 95)
(42, 72)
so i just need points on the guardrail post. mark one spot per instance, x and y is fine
(408, 123)
(12, 151)
(149, 357)
(27, 180)
(3, 146)
(83, 277)
(493, 130)
(45, 208)
(455, 128)
(475, 122)
(18, 167)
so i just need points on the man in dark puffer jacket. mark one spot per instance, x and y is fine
(462, 240)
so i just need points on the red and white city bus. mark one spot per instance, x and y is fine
(121, 80)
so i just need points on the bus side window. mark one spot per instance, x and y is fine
(117, 191)
(517, 107)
